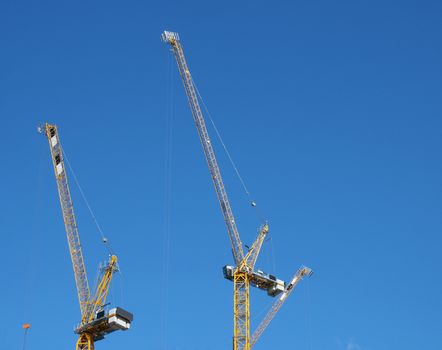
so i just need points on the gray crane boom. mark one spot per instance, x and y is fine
(302, 271)
(68, 217)
(173, 39)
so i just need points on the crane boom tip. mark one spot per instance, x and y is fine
(169, 37)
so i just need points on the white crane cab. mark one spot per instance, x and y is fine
(107, 321)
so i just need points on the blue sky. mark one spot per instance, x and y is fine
(332, 112)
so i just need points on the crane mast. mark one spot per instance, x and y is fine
(95, 321)
(242, 274)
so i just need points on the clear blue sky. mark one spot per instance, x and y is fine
(332, 111)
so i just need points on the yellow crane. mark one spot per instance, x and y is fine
(96, 320)
(243, 273)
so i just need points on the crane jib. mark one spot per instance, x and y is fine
(173, 40)
(96, 321)
(243, 274)
(69, 218)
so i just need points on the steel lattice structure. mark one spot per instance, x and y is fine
(303, 271)
(95, 323)
(220, 190)
(70, 224)
(243, 274)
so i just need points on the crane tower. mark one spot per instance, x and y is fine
(96, 320)
(243, 274)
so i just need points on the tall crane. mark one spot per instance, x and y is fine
(96, 320)
(243, 273)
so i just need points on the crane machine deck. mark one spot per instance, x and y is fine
(96, 319)
(243, 274)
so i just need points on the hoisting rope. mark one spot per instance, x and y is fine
(269, 253)
(261, 217)
(167, 207)
(309, 316)
(104, 239)
(31, 267)
(264, 310)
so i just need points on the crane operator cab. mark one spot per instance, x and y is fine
(259, 279)
(107, 321)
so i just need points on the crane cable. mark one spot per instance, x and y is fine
(270, 253)
(104, 239)
(31, 265)
(167, 207)
(251, 201)
(309, 317)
